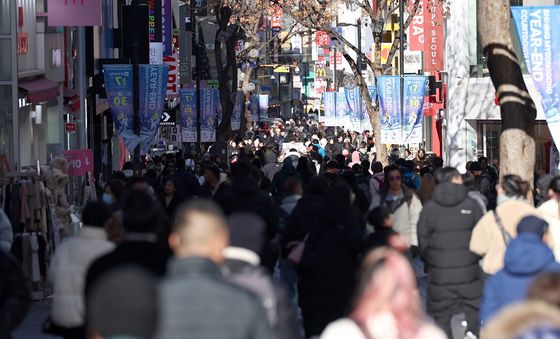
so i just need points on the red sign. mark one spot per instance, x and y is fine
(322, 39)
(22, 43)
(433, 44)
(80, 162)
(276, 20)
(74, 12)
(70, 127)
(172, 75)
(416, 29)
(338, 59)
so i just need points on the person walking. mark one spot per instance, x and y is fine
(550, 211)
(195, 301)
(69, 267)
(387, 304)
(444, 231)
(171, 198)
(377, 180)
(497, 228)
(527, 256)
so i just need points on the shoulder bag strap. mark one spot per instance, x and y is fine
(505, 235)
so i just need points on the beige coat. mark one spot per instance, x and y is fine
(487, 240)
(551, 213)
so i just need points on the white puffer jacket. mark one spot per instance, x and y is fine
(68, 273)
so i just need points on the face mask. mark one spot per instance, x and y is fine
(107, 199)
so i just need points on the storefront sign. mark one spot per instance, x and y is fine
(276, 20)
(70, 127)
(74, 13)
(538, 29)
(188, 114)
(412, 62)
(389, 109)
(80, 162)
(434, 46)
(153, 80)
(118, 84)
(167, 119)
(322, 39)
(166, 26)
(337, 60)
(156, 53)
(297, 44)
(416, 29)
(237, 110)
(414, 92)
(22, 43)
(154, 20)
(172, 76)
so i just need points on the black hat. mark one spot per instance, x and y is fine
(532, 224)
(332, 164)
(246, 230)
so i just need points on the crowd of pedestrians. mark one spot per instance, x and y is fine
(282, 239)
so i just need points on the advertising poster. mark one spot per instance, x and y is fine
(414, 92)
(188, 114)
(172, 61)
(237, 111)
(329, 108)
(119, 84)
(389, 109)
(538, 29)
(342, 109)
(263, 106)
(254, 107)
(152, 83)
(207, 115)
(167, 27)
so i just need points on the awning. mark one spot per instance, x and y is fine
(39, 90)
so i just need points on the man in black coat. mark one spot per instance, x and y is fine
(15, 297)
(188, 184)
(246, 196)
(444, 231)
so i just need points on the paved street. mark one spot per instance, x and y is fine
(31, 326)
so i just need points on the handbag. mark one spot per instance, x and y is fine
(296, 253)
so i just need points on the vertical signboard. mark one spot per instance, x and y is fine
(172, 76)
(389, 109)
(414, 92)
(207, 115)
(152, 83)
(416, 29)
(434, 46)
(237, 111)
(167, 27)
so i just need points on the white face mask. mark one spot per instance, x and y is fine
(107, 199)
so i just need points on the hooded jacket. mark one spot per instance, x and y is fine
(288, 170)
(527, 256)
(454, 275)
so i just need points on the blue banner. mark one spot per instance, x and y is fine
(263, 106)
(329, 108)
(152, 87)
(538, 29)
(119, 84)
(237, 111)
(389, 109)
(254, 107)
(187, 104)
(208, 112)
(341, 108)
(219, 111)
(414, 92)
(167, 27)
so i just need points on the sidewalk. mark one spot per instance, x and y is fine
(31, 326)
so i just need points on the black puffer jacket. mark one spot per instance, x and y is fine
(444, 233)
(15, 298)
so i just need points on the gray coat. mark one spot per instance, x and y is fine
(196, 302)
(6, 233)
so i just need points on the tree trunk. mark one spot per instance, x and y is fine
(518, 111)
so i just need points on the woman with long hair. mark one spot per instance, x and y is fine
(387, 303)
(493, 232)
(426, 188)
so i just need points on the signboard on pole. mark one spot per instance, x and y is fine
(237, 111)
(538, 29)
(80, 162)
(187, 104)
(389, 109)
(208, 115)
(118, 84)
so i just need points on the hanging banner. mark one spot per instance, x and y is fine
(152, 82)
(237, 111)
(154, 20)
(416, 28)
(538, 29)
(166, 27)
(434, 44)
(118, 84)
(187, 104)
(263, 106)
(414, 92)
(207, 115)
(342, 116)
(329, 108)
(389, 109)
(353, 101)
(218, 108)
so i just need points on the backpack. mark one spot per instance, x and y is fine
(381, 185)
(256, 280)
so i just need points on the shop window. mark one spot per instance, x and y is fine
(6, 57)
(5, 15)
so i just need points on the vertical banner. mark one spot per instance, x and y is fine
(365, 121)
(329, 108)
(341, 109)
(414, 92)
(207, 115)
(152, 82)
(353, 101)
(155, 31)
(237, 111)
(389, 109)
(187, 104)
(434, 44)
(416, 28)
(219, 110)
(167, 27)
(254, 107)
(119, 84)
(538, 29)
(263, 106)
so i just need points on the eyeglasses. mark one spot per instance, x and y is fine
(394, 178)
